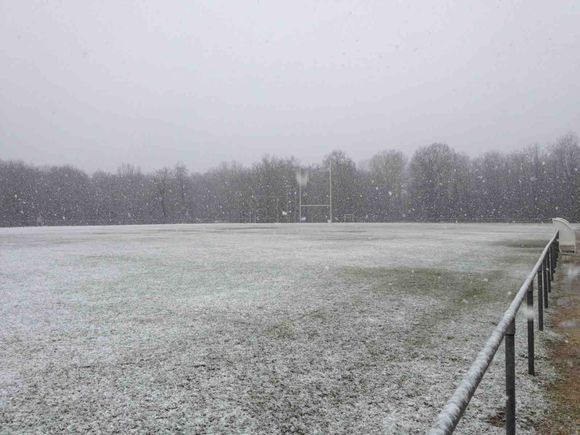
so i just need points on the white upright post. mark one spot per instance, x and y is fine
(300, 197)
(330, 189)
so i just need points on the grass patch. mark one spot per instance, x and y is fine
(523, 244)
(283, 331)
(565, 354)
(442, 295)
(427, 281)
(514, 260)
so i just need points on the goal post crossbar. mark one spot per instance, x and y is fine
(301, 206)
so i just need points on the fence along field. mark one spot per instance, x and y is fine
(256, 328)
(506, 330)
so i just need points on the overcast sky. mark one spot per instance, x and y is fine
(98, 83)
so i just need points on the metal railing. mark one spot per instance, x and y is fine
(543, 271)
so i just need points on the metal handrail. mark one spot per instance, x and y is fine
(544, 269)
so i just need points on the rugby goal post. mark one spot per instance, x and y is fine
(302, 180)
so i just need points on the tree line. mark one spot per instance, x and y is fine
(436, 184)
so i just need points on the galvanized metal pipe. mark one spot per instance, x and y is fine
(549, 270)
(550, 267)
(449, 417)
(510, 379)
(545, 283)
(540, 302)
(530, 316)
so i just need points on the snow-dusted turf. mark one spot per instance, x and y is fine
(258, 328)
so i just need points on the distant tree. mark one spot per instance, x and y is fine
(437, 184)
(432, 174)
(488, 187)
(162, 187)
(273, 197)
(564, 174)
(347, 195)
(385, 186)
(19, 198)
(182, 189)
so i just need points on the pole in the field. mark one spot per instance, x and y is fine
(302, 181)
(330, 189)
(300, 197)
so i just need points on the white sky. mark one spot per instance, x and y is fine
(98, 83)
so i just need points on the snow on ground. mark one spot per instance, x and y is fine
(258, 328)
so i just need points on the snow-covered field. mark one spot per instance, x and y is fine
(348, 328)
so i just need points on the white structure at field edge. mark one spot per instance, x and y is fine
(302, 180)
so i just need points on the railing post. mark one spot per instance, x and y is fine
(549, 268)
(530, 317)
(552, 268)
(554, 260)
(540, 302)
(553, 257)
(505, 330)
(549, 265)
(545, 283)
(510, 379)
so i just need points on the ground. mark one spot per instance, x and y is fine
(564, 351)
(260, 328)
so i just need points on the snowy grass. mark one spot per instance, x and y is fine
(258, 328)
